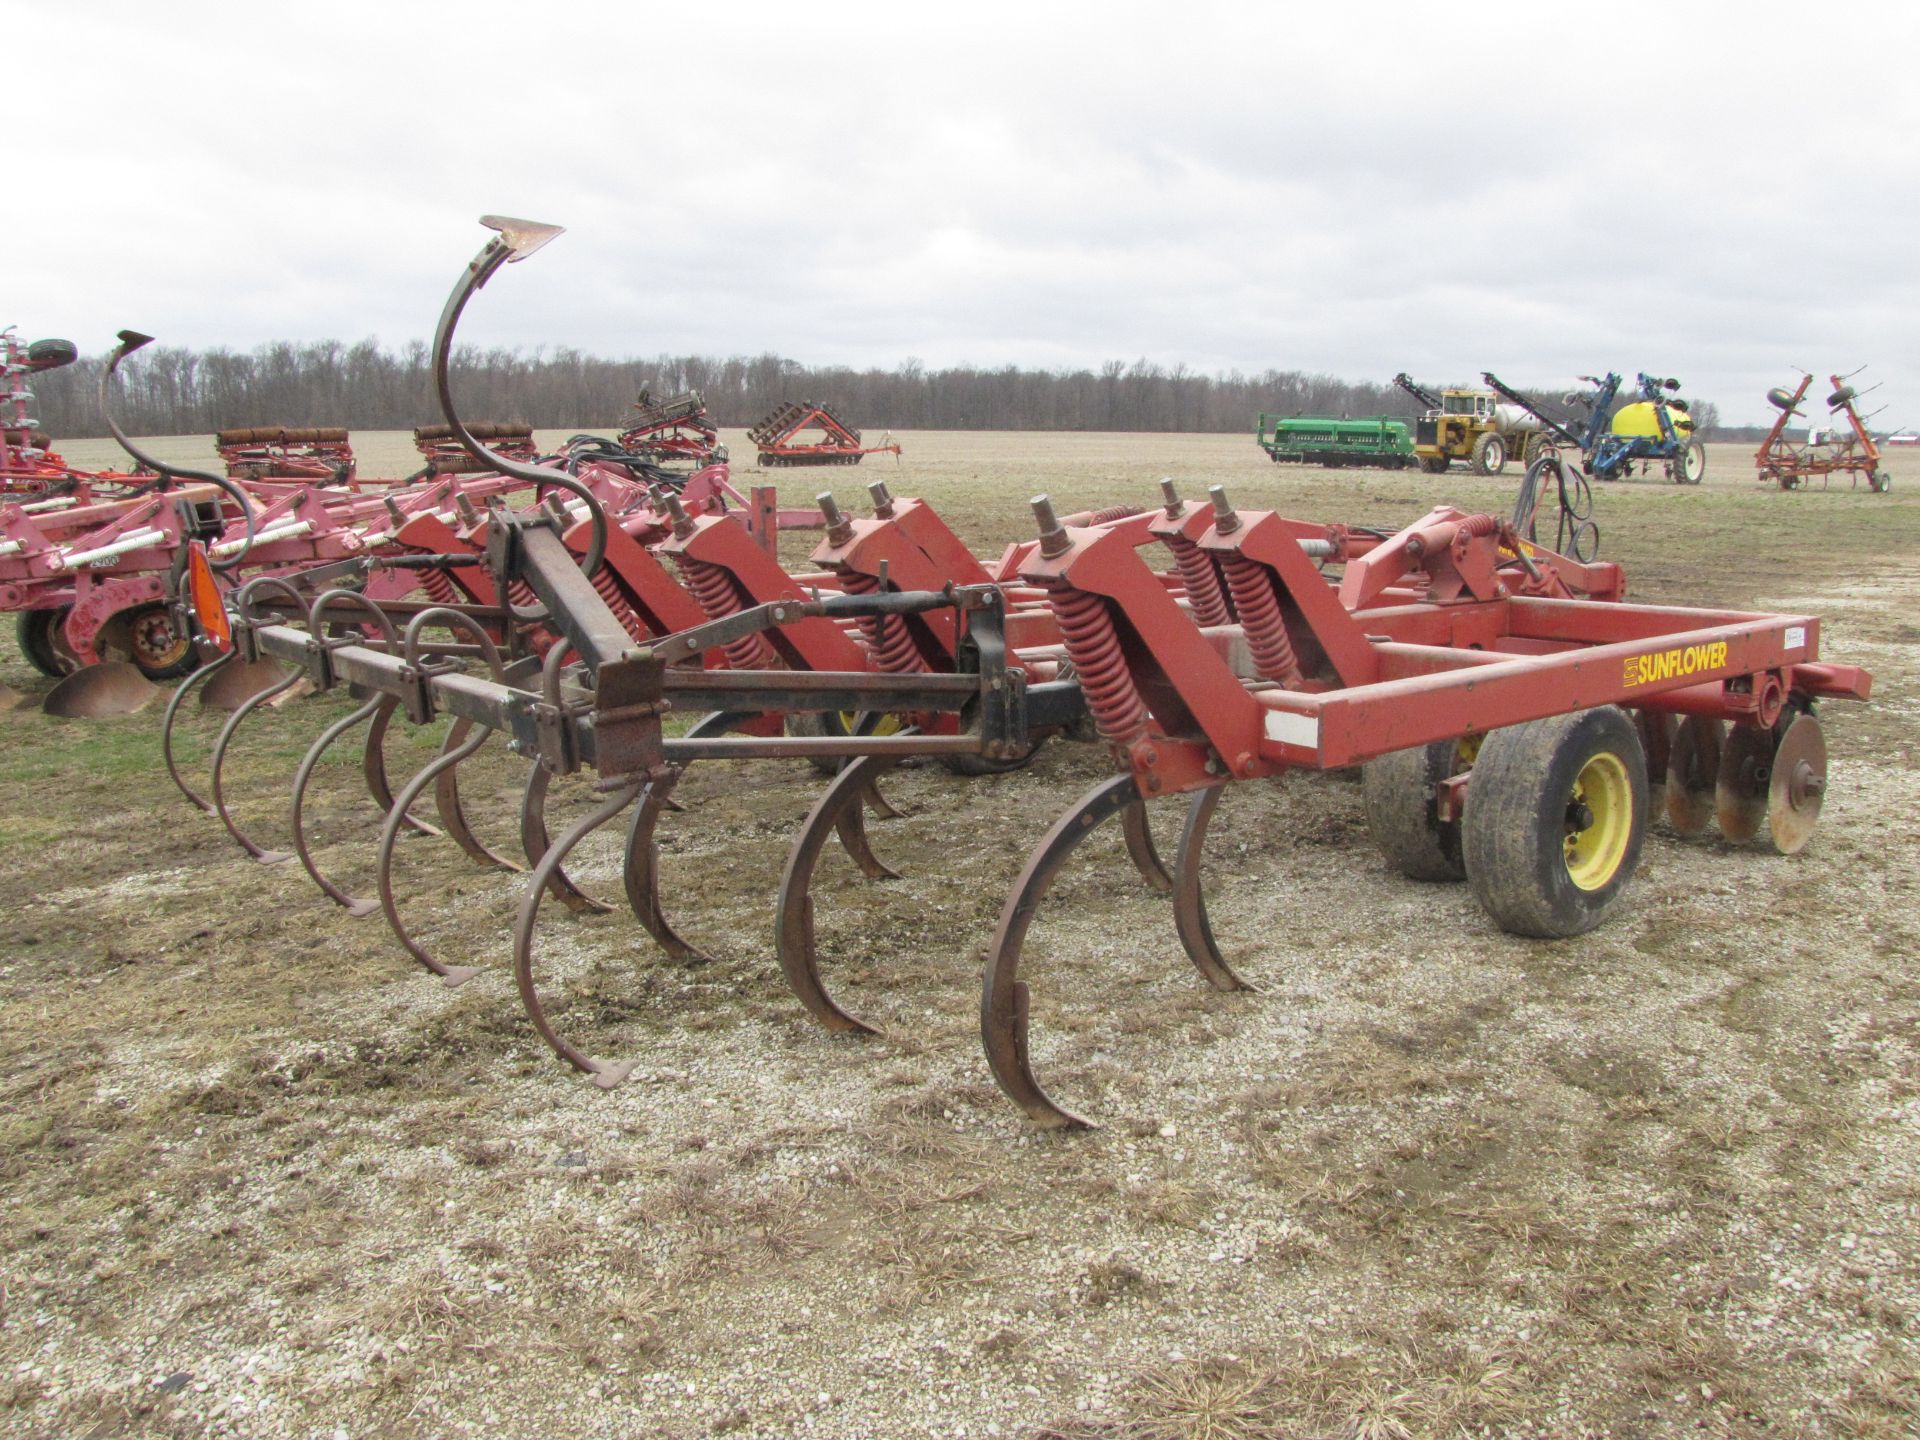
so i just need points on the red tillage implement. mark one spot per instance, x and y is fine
(673, 429)
(1855, 454)
(779, 437)
(1518, 722)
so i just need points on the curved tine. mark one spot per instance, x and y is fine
(227, 731)
(876, 802)
(1190, 902)
(535, 839)
(451, 975)
(793, 927)
(355, 907)
(1140, 849)
(605, 1074)
(867, 723)
(642, 875)
(850, 823)
(446, 798)
(205, 672)
(1003, 996)
(373, 765)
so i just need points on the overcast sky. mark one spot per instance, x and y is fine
(1719, 192)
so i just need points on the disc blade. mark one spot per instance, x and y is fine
(1798, 785)
(112, 688)
(1740, 787)
(1656, 739)
(240, 681)
(1692, 768)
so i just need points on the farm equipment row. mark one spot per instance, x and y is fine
(1517, 720)
(90, 572)
(30, 469)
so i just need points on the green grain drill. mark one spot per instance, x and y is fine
(1315, 440)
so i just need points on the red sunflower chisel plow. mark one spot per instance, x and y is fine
(1517, 721)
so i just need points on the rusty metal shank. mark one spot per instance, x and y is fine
(220, 749)
(641, 871)
(535, 838)
(354, 906)
(839, 809)
(204, 673)
(451, 975)
(1190, 902)
(605, 1074)
(1003, 996)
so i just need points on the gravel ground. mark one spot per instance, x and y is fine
(263, 1179)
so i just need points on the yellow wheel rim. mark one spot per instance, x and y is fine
(1599, 820)
(889, 724)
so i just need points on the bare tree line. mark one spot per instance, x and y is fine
(176, 391)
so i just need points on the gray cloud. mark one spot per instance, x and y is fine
(1717, 192)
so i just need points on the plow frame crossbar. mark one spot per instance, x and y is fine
(611, 720)
(1406, 674)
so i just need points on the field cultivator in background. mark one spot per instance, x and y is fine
(676, 429)
(279, 452)
(810, 434)
(1518, 721)
(30, 469)
(1381, 443)
(1853, 452)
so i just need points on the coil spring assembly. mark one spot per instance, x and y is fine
(1260, 617)
(1112, 513)
(609, 590)
(714, 591)
(1202, 581)
(1094, 645)
(439, 587)
(888, 640)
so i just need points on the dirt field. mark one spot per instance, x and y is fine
(262, 1177)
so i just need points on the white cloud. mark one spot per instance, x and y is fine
(1704, 190)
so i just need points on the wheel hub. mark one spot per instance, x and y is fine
(1599, 822)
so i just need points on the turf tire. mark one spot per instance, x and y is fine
(1515, 831)
(1398, 792)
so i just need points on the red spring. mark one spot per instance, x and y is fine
(521, 594)
(1087, 627)
(1204, 594)
(1479, 525)
(1260, 617)
(439, 587)
(609, 590)
(713, 588)
(1111, 514)
(888, 639)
